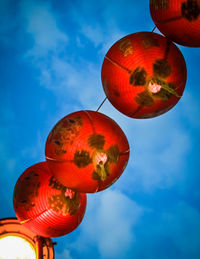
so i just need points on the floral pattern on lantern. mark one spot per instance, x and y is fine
(46, 206)
(95, 156)
(149, 80)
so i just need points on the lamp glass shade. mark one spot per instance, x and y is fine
(16, 247)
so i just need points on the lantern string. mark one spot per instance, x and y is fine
(154, 29)
(101, 104)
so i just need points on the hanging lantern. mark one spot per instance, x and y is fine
(87, 151)
(44, 205)
(178, 20)
(143, 75)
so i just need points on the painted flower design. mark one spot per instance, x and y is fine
(126, 47)
(68, 201)
(100, 157)
(64, 133)
(27, 191)
(148, 41)
(190, 10)
(155, 86)
(160, 4)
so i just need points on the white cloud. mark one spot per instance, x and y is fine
(93, 33)
(158, 150)
(109, 224)
(7, 119)
(41, 24)
(108, 21)
(161, 168)
(58, 72)
(36, 151)
(80, 81)
(64, 255)
(168, 232)
(11, 164)
(98, 35)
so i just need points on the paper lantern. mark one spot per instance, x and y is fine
(87, 151)
(44, 205)
(143, 75)
(178, 20)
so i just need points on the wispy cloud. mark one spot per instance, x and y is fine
(170, 234)
(64, 255)
(35, 152)
(79, 81)
(41, 24)
(101, 32)
(109, 224)
(58, 71)
(159, 148)
(107, 21)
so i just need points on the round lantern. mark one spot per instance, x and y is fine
(44, 205)
(87, 151)
(144, 75)
(178, 20)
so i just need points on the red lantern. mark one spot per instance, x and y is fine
(143, 75)
(87, 151)
(178, 20)
(45, 206)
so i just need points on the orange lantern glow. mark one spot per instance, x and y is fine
(143, 75)
(17, 241)
(87, 151)
(45, 206)
(178, 20)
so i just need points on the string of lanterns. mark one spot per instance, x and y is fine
(143, 76)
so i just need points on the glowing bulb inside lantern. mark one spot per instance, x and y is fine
(154, 88)
(16, 247)
(100, 158)
(69, 193)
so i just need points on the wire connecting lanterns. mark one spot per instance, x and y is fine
(87, 151)
(44, 205)
(178, 20)
(144, 75)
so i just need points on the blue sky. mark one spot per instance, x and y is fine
(50, 66)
